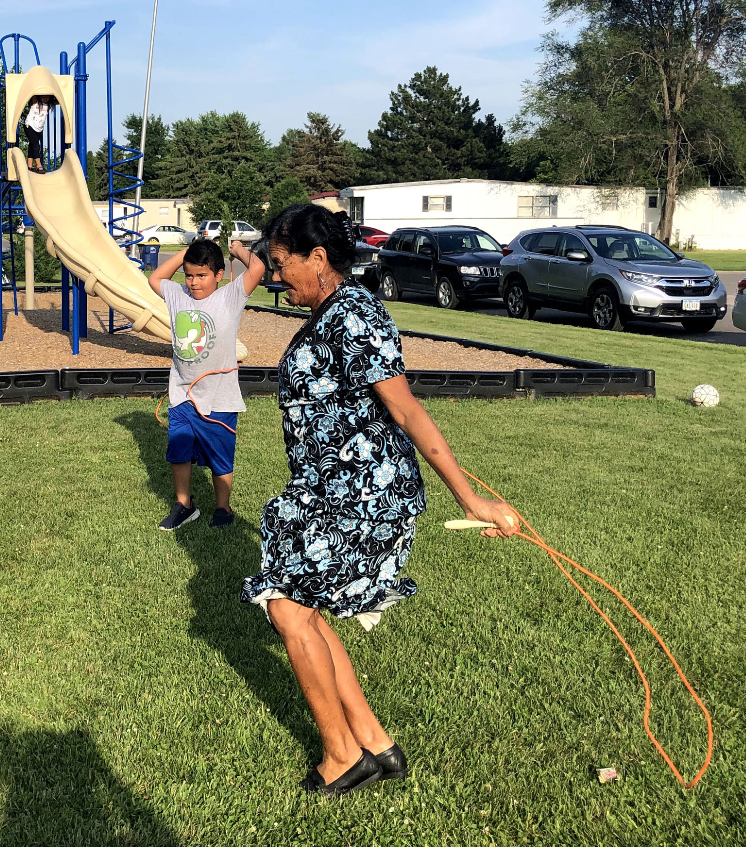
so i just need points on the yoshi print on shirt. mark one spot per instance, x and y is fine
(195, 336)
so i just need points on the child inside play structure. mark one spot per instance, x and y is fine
(202, 416)
(34, 126)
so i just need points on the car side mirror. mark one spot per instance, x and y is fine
(680, 255)
(578, 256)
(427, 250)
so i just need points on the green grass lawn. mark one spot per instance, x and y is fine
(720, 260)
(141, 704)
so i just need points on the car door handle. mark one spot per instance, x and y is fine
(554, 261)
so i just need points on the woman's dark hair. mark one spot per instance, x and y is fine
(301, 228)
(204, 252)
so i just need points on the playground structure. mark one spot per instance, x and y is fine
(58, 202)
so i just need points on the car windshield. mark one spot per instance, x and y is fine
(631, 247)
(465, 241)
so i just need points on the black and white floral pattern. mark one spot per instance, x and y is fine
(340, 532)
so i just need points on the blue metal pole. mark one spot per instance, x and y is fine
(76, 324)
(110, 151)
(81, 148)
(64, 69)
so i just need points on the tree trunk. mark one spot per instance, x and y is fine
(664, 231)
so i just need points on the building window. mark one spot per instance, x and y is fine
(437, 203)
(653, 201)
(164, 211)
(608, 203)
(356, 210)
(540, 206)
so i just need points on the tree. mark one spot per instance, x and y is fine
(98, 172)
(431, 132)
(218, 159)
(319, 158)
(156, 149)
(226, 227)
(286, 193)
(642, 96)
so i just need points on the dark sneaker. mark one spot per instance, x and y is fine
(222, 518)
(178, 516)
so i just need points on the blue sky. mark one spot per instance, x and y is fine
(276, 62)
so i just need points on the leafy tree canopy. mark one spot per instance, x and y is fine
(286, 193)
(650, 93)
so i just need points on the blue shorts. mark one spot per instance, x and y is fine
(193, 439)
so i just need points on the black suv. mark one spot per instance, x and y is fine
(451, 262)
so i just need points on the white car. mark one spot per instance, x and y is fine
(168, 234)
(242, 231)
(738, 311)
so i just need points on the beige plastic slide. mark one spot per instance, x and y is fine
(60, 206)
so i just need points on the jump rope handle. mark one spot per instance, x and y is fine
(474, 524)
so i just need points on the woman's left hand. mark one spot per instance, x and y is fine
(493, 511)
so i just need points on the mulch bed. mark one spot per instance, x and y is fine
(33, 340)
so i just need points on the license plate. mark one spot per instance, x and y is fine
(358, 271)
(691, 305)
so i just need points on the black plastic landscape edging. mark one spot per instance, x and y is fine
(576, 377)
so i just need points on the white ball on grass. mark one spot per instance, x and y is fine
(705, 395)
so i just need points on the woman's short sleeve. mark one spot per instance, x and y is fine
(369, 341)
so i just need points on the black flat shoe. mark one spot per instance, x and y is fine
(393, 763)
(364, 772)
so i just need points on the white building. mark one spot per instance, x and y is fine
(710, 218)
(155, 213)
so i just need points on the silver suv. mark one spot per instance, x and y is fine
(242, 231)
(611, 273)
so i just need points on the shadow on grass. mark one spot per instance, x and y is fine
(61, 792)
(222, 559)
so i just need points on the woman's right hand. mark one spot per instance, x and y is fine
(497, 512)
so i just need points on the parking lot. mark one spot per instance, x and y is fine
(723, 333)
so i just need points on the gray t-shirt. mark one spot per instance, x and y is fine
(203, 334)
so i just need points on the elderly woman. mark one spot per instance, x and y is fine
(338, 535)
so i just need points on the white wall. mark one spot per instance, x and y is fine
(715, 217)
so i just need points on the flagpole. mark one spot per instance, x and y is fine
(141, 161)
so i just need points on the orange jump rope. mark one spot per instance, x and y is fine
(534, 538)
(197, 408)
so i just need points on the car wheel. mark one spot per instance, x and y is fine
(517, 300)
(604, 309)
(699, 324)
(389, 289)
(446, 295)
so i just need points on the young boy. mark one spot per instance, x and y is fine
(204, 323)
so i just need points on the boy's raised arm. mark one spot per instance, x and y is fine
(166, 271)
(255, 267)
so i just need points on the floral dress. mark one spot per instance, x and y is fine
(338, 535)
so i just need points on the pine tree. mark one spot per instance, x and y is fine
(431, 132)
(319, 158)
